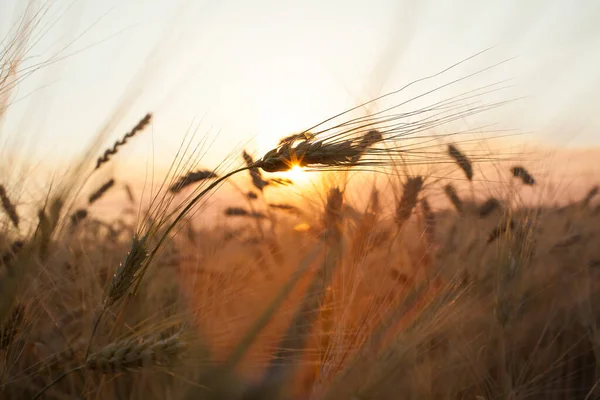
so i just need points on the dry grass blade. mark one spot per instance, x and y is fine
(453, 197)
(112, 151)
(135, 354)
(9, 207)
(521, 173)
(191, 178)
(462, 160)
(408, 201)
(128, 272)
(101, 191)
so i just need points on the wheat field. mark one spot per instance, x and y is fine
(385, 278)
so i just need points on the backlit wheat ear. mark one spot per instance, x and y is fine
(242, 212)
(488, 207)
(191, 178)
(10, 328)
(462, 160)
(9, 256)
(101, 191)
(112, 151)
(9, 207)
(429, 218)
(332, 217)
(280, 181)
(453, 197)
(78, 216)
(251, 195)
(135, 354)
(128, 272)
(311, 154)
(408, 201)
(369, 139)
(257, 179)
(501, 229)
(522, 174)
(284, 207)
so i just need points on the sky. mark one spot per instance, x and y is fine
(243, 74)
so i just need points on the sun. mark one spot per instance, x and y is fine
(297, 174)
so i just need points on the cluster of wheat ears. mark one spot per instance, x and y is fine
(480, 300)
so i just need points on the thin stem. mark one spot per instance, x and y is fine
(172, 225)
(89, 346)
(54, 382)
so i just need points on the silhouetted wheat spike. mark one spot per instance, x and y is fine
(10, 328)
(78, 216)
(311, 154)
(112, 151)
(9, 207)
(11, 253)
(521, 173)
(488, 207)
(251, 195)
(190, 178)
(283, 206)
(591, 194)
(408, 201)
(502, 228)
(242, 212)
(101, 191)
(280, 181)
(130, 195)
(463, 162)
(429, 219)
(368, 140)
(453, 196)
(255, 174)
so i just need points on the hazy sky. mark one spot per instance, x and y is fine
(262, 69)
